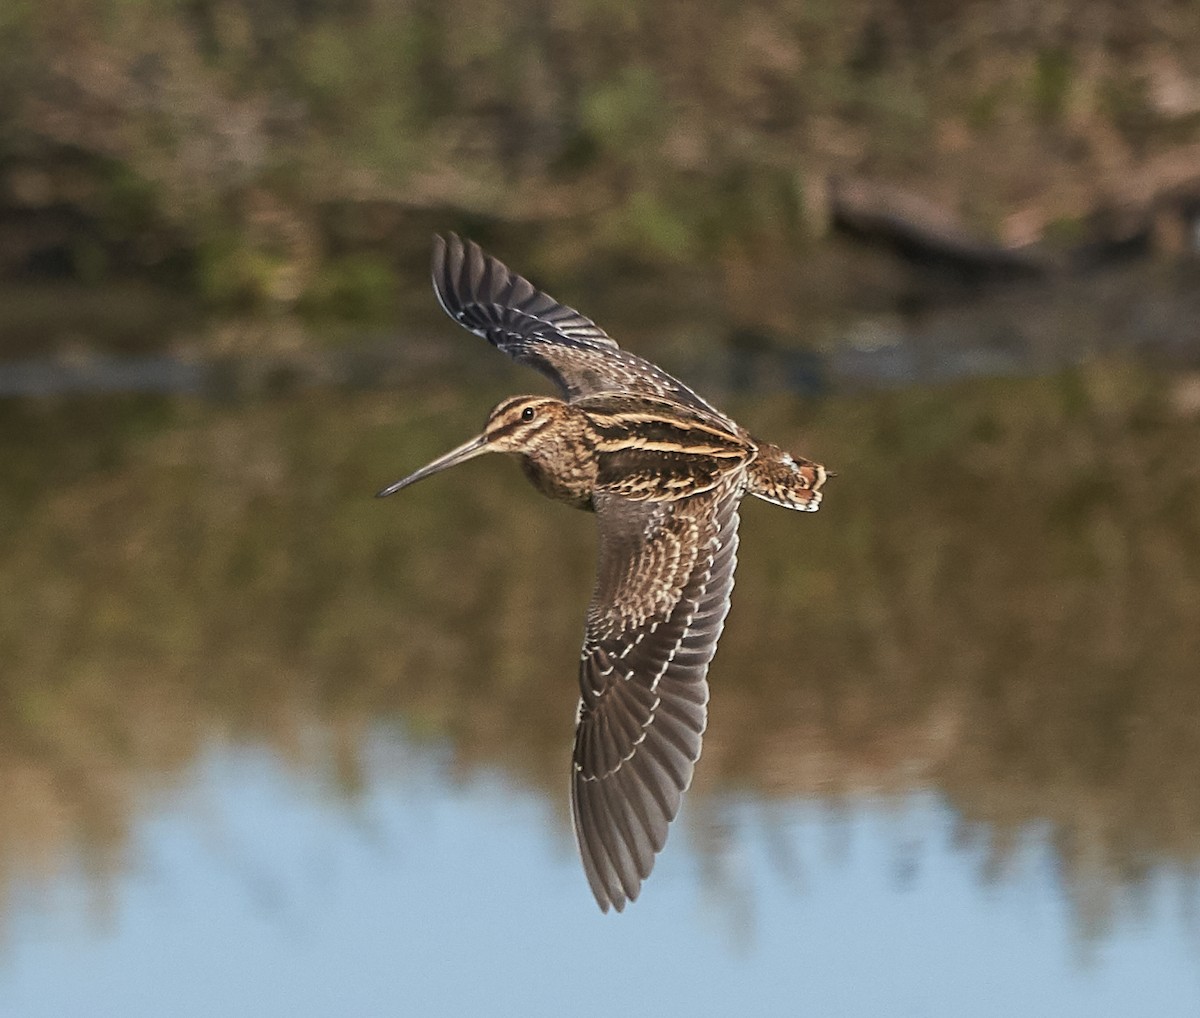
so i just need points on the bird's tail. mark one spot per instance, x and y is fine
(787, 480)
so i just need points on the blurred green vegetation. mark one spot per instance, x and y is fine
(223, 144)
(997, 602)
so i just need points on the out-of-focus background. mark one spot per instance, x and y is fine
(270, 747)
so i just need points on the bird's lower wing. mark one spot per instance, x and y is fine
(662, 594)
(484, 295)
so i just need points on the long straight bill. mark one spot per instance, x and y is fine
(466, 451)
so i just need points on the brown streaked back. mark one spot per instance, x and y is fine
(658, 450)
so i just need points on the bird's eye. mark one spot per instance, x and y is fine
(528, 414)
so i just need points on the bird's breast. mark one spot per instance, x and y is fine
(567, 474)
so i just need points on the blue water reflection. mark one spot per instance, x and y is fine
(253, 889)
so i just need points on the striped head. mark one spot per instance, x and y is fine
(520, 424)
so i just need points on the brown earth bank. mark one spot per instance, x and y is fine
(293, 156)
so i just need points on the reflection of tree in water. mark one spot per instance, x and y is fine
(996, 604)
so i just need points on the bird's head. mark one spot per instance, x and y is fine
(517, 425)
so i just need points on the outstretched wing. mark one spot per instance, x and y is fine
(482, 294)
(661, 597)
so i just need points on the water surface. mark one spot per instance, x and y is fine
(269, 746)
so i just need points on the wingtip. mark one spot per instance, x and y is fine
(446, 266)
(442, 247)
(609, 904)
(449, 245)
(451, 252)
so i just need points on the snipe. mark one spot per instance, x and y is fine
(664, 471)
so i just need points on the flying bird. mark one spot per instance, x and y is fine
(664, 471)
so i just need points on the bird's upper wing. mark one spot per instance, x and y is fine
(482, 294)
(661, 597)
